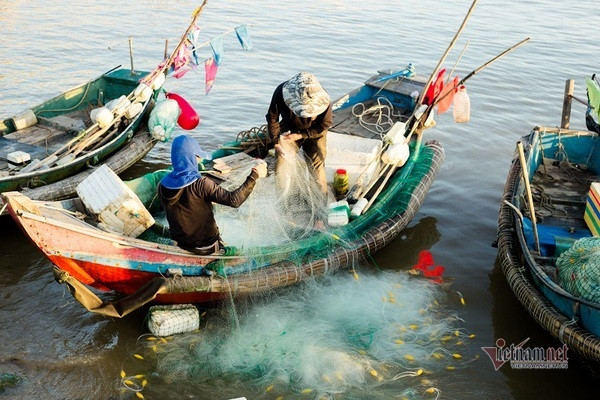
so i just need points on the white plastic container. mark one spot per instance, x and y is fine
(461, 105)
(358, 207)
(396, 154)
(172, 319)
(24, 120)
(119, 105)
(18, 157)
(158, 81)
(116, 206)
(102, 116)
(133, 110)
(338, 213)
(143, 92)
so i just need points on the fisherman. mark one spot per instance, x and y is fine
(187, 198)
(305, 111)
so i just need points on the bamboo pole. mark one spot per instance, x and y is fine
(565, 119)
(182, 41)
(131, 54)
(149, 78)
(390, 171)
(450, 46)
(460, 56)
(529, 195)
(462, 81)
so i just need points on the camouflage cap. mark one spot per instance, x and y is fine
(305, 96)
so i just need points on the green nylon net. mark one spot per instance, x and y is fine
(277, 223)
(579, 269)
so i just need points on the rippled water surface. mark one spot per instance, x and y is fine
(61, 351)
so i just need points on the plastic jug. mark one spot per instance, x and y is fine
(462, 106)
(102, 116)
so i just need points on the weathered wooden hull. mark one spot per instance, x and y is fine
(571, 320)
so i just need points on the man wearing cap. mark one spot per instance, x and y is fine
(305, 111)
(187, 198)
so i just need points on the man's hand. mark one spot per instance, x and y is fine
(291, 137)
(261, 169)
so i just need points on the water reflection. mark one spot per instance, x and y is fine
(403, 252)
(513, 323)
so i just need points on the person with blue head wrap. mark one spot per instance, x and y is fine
(187, 198)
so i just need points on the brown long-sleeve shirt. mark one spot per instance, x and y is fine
(309, 129)
(190, 212)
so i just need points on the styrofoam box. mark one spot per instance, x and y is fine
(352, 153)
(172, 319)
(118, 208)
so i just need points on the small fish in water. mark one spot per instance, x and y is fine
(139, 357)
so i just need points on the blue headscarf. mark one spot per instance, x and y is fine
(185, 165)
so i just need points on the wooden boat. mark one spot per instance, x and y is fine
(119, 161)
(560, 164)
(152, 268)
(59, 136)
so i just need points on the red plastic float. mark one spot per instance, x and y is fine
(189, 118)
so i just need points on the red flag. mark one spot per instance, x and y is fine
(210, 72)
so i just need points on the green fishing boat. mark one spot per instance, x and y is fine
(57, 139)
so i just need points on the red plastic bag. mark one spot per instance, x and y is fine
(189, 118)
(445, 102)
(434, 89)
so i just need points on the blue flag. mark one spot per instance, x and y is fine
(217, 47)
(243, 36)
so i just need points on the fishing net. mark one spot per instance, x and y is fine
(323, 338)
(283, 207)
(579, 269)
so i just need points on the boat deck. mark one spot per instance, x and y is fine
(560, 191)
(370, 120)
(42, 139)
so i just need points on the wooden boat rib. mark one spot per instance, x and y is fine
(571, 320)
(60, 121)
(153, 268)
